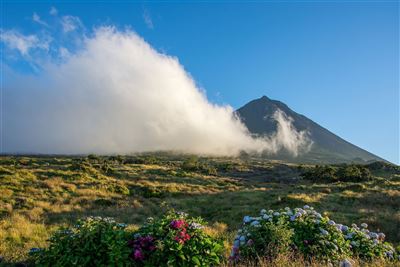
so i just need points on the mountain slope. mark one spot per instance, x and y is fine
(327, 147)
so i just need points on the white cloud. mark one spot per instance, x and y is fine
(287, 137)
(53, 11)
(36, 18)
(147, 19)
(23, 43)
(70, 23)
(64, 53)
(119, 95)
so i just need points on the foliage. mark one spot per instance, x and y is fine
(174, 240)
(44, 193)
(192, 164)
(95, 241)
(342, 173)
(307, 232)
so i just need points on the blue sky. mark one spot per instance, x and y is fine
(336, 62)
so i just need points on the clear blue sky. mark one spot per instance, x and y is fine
(336, 62)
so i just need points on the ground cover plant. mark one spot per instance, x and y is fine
(39, 195)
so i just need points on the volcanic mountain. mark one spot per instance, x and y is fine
(327, 147)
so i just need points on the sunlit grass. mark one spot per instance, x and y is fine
(37, 195)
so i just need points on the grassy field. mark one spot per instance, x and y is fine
(39, 194)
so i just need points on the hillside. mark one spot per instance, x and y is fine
(327, 147)
(40, 194)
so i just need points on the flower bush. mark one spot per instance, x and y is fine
(94, 241)
(307, 232)
(174, 240)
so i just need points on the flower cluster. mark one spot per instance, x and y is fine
(306, 231)
(182, 236)
(141, 246)
(175, 239)
(178, 224)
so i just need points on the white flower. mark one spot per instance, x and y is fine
(354, 243)
(265, 217)
(263, 211)
(373, 235)
(276, 213)
(247, 219)
(364, 225)
(381, 236)
(324, 232)
(349, 235)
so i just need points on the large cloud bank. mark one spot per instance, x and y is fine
(117, 94)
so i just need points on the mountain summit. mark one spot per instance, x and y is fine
(327, 147)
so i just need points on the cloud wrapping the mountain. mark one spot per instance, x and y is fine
(119, 95)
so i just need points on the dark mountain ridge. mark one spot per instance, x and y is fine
(327, 147)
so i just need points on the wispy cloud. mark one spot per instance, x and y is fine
(53, 11)
(147, 19)
(23, 43)
(36, 18)
(70, 23)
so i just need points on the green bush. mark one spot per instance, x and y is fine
(95, 241)
(269, 240)
(193, 164)
(343, 173)
(174, 240)
(353, 173)
(307, 232)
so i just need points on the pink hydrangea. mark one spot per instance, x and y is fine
(177, 224)
(138, 255)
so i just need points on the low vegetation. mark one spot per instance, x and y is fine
(41, 195)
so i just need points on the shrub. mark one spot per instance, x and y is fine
(94, 241)
(343, 173)
(353, 173)
(192, 164)
(307, 232)
(174, 240)
(268, 240)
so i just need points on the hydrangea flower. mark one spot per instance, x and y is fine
(247, 219)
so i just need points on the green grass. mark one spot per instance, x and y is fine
(39, 194)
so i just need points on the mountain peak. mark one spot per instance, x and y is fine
(327, 147)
